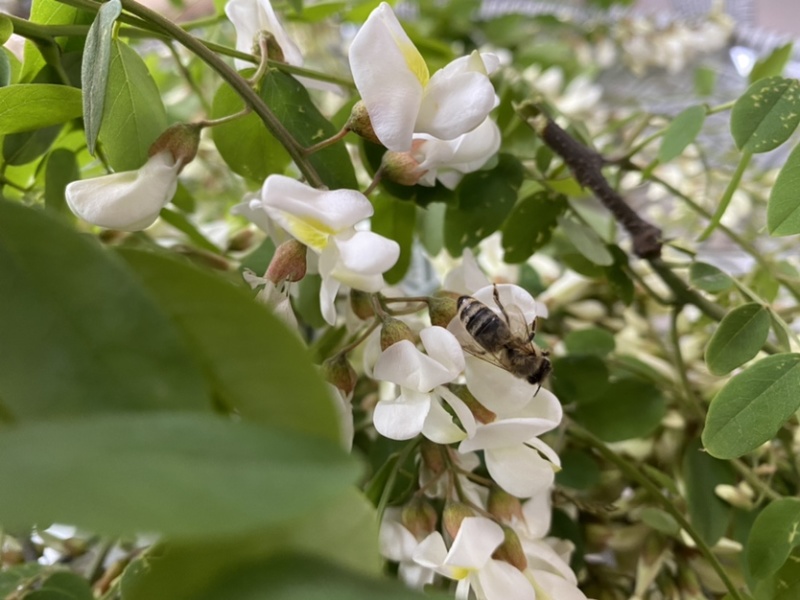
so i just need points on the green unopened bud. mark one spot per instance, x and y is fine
(182, 140)
(511, 550)
(288, 263)
(432, 456)
(274, 50)
(393, 331)
(401, 167)
(419, 517)
(241, 240)
(442, 309)
(478, 410)
(504, 506)
(361, 304)
(338, 371)
(453, 514)
(360, 123)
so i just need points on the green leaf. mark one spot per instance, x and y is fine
(627, 408)
(182, 475)
(709, 278)
(681, 132)
(79, 333)
(783, 585)
(184, 225)
(395, 219)
(94, 69)
(6, 29)
(133, 114)
(344, 532)
(254, 363)
(290, 102)
(485, 198)
(6, 70)
(430, 227)
(775, 533)
(752, 406)
(705, 81)
(29, 106)
(25, 147)
(45, 12)
(530, 225)
(766, 115)
(586, 240)
(739, 337)
(61, 169)
(702, 473)
(592, 340)
(63, 586)
(20, 575)
(579, 378)
(307, 303)
(660, 520)
(773, 64)
(579, 471)
(245, 144)
(783, 208)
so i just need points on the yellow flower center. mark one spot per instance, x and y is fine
(310, 232)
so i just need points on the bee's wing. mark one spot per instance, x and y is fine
(518, 324)
(475, 349)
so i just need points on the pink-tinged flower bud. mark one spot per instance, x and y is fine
(288, 263)
(360, 124)
(361, 304)
(453, 514)
(402, 168)
(511, 550)
(478, 410)
(420, 518)
(182, 140)
(338, 371)
(442, 309)
(432, 456)
(241, 240)
(393, 331)
(504, 506)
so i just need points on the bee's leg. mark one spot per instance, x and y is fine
(533, 330)
(537, 389)
(496, 296)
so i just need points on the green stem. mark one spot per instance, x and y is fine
(680, 365)
(754, 481)
(387, 490)
(636, 474)
(187, 76)
(733, 185)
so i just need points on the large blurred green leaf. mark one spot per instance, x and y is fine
(45, 12)
(773, 64)
(773, 536)
(94, 69)
(681, 132)
(708, 513)
(530, 225)
(133, 114)
(61, 169)
(26, 146)
(396, 220)
(290, 102)
(245, 144)
(344, 532)
(29, 106)
(738, 338)
(766, 115)
(180, 474)
(79, 334)
(709, 278)
(752, 406)
(255, 364)
(783, 209)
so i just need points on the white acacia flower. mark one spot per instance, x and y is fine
(249, 17)
(325, 222)
(129, 200)
(421, 377)
(449, 161)
(398, 544)
(469, 561)
(402, 98)
(276, 297)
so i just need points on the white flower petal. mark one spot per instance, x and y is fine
(366, 253)
(476, 540)
(443, 347)
(390, 75)
(546, 451)
(499, 580)
(395, 541)
(545, 406)
(462, 411)
(505, 433)
(415, 576)
(403, 364)
(518, 303)
(538, 513)
(404, 417)
(495, 388)
(454, 104)
(556, 587)
(431, 552)
(251, 16)
(467, 277)
(327, 298)
(543, 558)
(439, 426)
(519, 470)
(128, 201)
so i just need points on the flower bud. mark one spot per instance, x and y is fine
(360, 123)
(182, 140)
(393, 331)
(241, 240)
(419, 517)
(504, 506)
(442, 309)
(361, 304)
(453, 514)
(274, 50)
(432, 456)
(478, 410)
(511, 550)
(402, 168)
(288, 263)
(740, 496)
(337, 371)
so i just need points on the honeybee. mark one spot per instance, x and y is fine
(499, 341)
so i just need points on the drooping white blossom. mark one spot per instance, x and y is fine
(249, 17)
(398, 544)
(401, 96)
